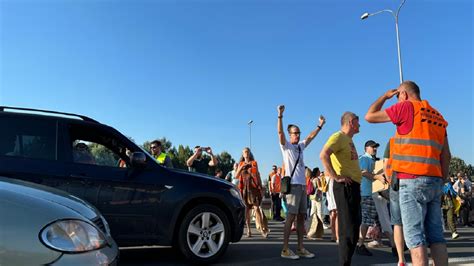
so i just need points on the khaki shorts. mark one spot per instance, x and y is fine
(296, 200)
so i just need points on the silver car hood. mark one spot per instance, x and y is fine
(40, 192)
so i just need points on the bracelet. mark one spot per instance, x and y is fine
(320, 127)
(280, 116)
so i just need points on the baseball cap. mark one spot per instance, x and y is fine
(371, 143)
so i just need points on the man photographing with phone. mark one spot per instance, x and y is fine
(196, 163)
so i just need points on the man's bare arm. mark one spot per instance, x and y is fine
(315, 132)
(281, 133)
(445, 158)
(375, 114)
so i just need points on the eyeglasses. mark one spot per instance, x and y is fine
(154, 147)
(295, 133)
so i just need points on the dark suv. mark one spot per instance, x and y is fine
(144, 203)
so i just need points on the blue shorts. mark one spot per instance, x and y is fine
(420, 205)
(395, 214)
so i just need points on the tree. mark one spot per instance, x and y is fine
(182, 156)
(470, 170)
(225, 162)
(457, 165)
(102, 155)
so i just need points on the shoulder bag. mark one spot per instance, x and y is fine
(286, 180)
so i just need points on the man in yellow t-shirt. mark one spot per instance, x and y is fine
(341, 163)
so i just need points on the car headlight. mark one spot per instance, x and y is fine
(236, 194)
(73, 236)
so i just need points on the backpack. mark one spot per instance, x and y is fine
(310, 187)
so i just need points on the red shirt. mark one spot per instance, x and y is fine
(402, 115)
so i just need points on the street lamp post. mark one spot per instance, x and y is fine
(250, 133)
(395, 16)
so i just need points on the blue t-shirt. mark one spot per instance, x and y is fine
(367, 163)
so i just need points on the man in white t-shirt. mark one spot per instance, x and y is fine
(296, 200)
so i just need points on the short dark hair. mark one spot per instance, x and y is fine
(315, 170)
(156, 142)
(290, 126)
(347, 116)
(412, 88)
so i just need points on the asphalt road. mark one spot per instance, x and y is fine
(259, 251)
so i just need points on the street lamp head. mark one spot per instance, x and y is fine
(250, 122)
(364, 16)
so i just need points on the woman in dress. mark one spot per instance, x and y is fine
(250, 186)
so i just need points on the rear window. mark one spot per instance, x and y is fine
(28, 138)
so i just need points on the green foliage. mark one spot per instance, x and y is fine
(102, 155)
(458, 165)
(226, 162)
(180, 156)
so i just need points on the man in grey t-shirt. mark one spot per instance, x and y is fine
(296, 199)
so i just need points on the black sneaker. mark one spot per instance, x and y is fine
(363, 251)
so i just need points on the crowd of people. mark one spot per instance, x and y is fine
(416, 192)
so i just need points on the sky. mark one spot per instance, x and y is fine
(196, 72)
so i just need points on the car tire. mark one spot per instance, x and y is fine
(204, 234)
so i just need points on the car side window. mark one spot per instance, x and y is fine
(28, 138)
(91, 146)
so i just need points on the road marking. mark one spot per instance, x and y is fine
(450, 260)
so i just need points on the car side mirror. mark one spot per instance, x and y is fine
(138, 160)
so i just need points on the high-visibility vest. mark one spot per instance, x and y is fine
(161, 158)
(419, 151)
(388, 167)
(276, 186)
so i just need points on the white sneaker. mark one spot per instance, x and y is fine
(289, 254)
(454, 235)
(303, 253)
(374, 244)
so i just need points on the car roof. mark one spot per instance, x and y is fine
(31, 111)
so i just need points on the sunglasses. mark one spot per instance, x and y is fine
(154, 147)
(296, 133)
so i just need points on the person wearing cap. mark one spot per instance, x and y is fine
(367, 204)
(420, 160)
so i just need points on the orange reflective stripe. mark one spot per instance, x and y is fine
(388, 168)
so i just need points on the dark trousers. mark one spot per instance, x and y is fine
(349, 218)
(464, 213)
(276, 205)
